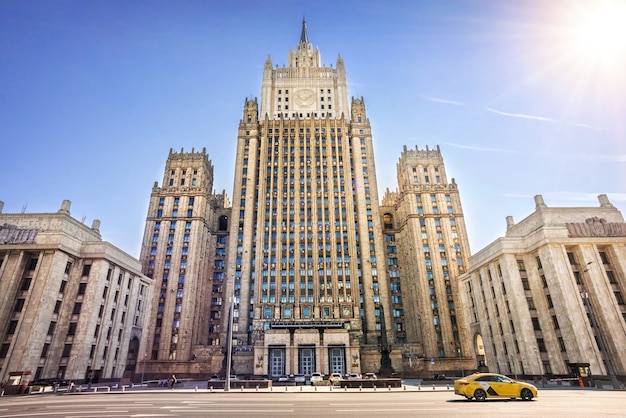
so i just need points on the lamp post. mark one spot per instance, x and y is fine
(598, 334)
(230, 342)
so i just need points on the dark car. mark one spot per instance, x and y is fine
(440, 376)
(50, 382)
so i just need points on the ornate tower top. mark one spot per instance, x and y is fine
(304, 38)
(304, 88)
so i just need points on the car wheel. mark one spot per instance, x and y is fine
(480, 395)
(526, 394)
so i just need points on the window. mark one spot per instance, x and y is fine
(536, 325)
(19, 305)
(67, 349)
(86, 269)
(26, 284)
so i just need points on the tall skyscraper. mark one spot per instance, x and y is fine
(428, 247)
(318, 276)
(184, 253)
(310, 271)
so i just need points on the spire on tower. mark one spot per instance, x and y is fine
(304, 38)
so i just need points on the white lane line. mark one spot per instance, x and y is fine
(91, 413)
(154, 415)
(246, 411)
(391, 411)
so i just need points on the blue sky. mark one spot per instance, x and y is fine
(93, 94)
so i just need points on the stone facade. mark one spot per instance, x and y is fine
(72, 306)
(528, 294)
(428, 249)
(184, 252)
(306, 235)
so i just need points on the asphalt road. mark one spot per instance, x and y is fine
(307, 403)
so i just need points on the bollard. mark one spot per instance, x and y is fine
(108, 388)
(331, 388)
(285, 388)
(433, 386)
(419, 387)
(211, 389)
(316, 388)
(374, 388)
(389, 387)
(196, 388)
(242, 388)
(257, 388)
(448, 386)
(300, 388)
(360, 388)
(345, 388)
(123, 389)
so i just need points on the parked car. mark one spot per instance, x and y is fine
(354, 376)
(299, 378)
(440, 376)
(371, 376)
(283, 378)
(481, 386)
(49, 382)
(316, 377)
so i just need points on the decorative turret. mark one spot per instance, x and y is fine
(251, 111)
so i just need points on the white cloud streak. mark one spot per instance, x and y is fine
(542, 119)
(477, 148)
(445, 101)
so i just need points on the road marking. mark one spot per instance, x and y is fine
(39, 414)
(154, 415)
(393, 410)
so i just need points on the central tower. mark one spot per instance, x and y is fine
(307, 276)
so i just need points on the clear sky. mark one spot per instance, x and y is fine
(524, 97)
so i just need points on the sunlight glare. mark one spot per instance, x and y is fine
(600, 31)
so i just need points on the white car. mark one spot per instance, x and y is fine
(316, 377)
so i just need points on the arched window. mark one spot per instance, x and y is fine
(388, 221)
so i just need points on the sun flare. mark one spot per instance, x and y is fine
(598, 31)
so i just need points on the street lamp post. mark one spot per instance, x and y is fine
(230, 343)
(598, 334)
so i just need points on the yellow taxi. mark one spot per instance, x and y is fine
(481, 386)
